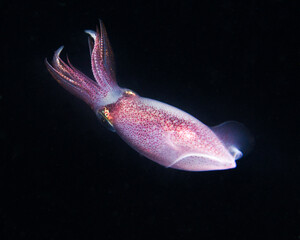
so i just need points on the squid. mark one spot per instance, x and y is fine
(158, 131)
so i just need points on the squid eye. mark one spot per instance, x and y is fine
(130, 93)
(104, 118)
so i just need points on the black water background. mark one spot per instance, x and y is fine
(63, 176)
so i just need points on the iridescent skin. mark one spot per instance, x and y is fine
(162, 133)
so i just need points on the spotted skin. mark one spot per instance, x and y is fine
(166, 134)
(162, 133)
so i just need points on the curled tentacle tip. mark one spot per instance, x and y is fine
(46, 62)
(91, 33)
(58, 51)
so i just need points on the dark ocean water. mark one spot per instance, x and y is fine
(64, 176)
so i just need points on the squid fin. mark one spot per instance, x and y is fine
(235, 137)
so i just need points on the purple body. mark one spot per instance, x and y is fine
(162, 133)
